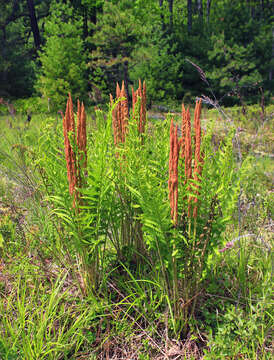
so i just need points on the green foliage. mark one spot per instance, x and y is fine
(234, 67)
(37, 325)
(125, 213)
(16, 67)
(7, 231)
(33, 105)
(101, 42)
(242, 334)
(116, 35)
(62, 57)
(161, 67)
(132, 279)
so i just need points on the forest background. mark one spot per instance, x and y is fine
(101, 255)
(50, 48)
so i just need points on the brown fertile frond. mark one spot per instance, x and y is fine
(117, 90)
(69, 127)
(141, 93)
(173, 171)
(72, 123)
(140, 85)
(120, 115)
(184, 147)
(73, 166)
(124, 113)
(81, 143)
(188, 154)
(183, 131)
(188, 149)
(134, 99)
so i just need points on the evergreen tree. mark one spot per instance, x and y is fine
(62, 57)
(88, 45)
(233, 69)
(17, 49)
(117, 34)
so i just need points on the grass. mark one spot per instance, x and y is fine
(45, 314)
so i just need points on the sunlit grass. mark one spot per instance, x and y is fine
(45, 315)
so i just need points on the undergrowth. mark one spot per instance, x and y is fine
(115, 278)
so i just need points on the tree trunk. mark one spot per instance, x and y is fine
(189, 15)
(90, 15)
(208, 5)
(262, 9)
(93, 16)
(200, 9)
(170, 6)
(251, 9)
(34, 24)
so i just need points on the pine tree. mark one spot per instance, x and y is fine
(62, 57)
